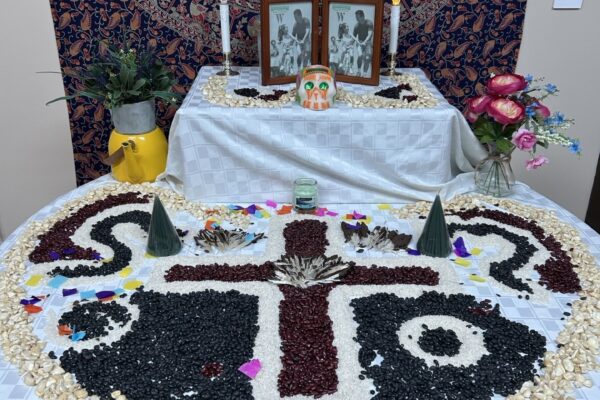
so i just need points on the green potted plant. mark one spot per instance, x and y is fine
(127, 81)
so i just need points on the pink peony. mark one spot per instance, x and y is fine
(536, 162)
(479, 104)
(471, 116)
(524, 139)
(505, 111)
(542, 110)
(505, 84)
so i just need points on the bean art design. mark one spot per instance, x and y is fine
(308, 310)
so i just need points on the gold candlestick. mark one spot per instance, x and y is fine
(227, 71)
(391, 71)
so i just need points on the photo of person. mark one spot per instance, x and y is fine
(290, 37)
(353, 50)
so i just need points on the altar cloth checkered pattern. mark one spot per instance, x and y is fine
(366, 155)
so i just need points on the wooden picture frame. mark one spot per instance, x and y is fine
(346, 46)
(283, 51)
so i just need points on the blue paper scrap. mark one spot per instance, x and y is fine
(69, 292)
(57, 281)
(87, 294)
(77, 336)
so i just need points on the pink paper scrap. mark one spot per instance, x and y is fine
(332, 213)
(358, 215)
(271, 203)
(320, 212)
(251, 368)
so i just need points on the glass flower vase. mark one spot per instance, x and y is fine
(494, 175)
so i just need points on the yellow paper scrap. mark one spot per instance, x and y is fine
(384, 206)
(125, 272)
(148, 255)
(107, 260)
(476, 278)
(132, 285)
(265, 214)
(462, 262)
(476, 251)
(34, 280)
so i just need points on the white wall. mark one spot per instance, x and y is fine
(36, 160)
(564, 47)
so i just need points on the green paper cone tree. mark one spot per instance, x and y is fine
(163, 240)
(435, 240)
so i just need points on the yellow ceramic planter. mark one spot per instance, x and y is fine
(144, 155)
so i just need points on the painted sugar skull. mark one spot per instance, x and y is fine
(315, 86)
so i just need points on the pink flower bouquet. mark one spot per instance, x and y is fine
(511, 115)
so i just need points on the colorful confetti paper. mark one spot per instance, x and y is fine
(57, 281)
(462, 262)
(249, 237)
(476, 278)
(64, 330)
(119, 292)
(32, 309)
(211, 225)
(132, 285)
(234, 207)
(251, 368)
(107, 260)
(320, 212)
(69, 251)
(34, 280)
(265, 214)
(251, 209)
(358, 215)
(104, 294)
(148, 255)
(459, 248)
(271, 203)
(69, 292)
(413, 252)
(77, 336)
(125, 272)
(384, 206)
(332, 213)
(476, 251)
(87, 294)
(54, 255)
(286, 209)
(32, 300)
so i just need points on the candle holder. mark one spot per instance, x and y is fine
(391, 71)
(227, 71)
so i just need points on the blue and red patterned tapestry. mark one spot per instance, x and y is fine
(457, 42)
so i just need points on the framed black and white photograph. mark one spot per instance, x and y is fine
(289, 39)
(351, 43)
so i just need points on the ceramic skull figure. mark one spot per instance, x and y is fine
(315, 86)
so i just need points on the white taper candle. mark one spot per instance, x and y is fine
(224, 11)
(394, 26)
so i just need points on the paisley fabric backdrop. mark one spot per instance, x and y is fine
(457, 42)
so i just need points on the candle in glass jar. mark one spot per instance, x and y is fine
(305, 194)
(394, 25)
(224, 11)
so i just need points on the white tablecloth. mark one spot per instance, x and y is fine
(226, 154)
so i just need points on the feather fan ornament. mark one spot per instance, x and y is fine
(380, 238)
(222, 240)
(303, 272)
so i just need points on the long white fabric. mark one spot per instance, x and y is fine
(357, 155)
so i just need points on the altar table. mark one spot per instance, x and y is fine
(357, 155)
(544, 319)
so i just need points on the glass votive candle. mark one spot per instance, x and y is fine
(305, 195)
